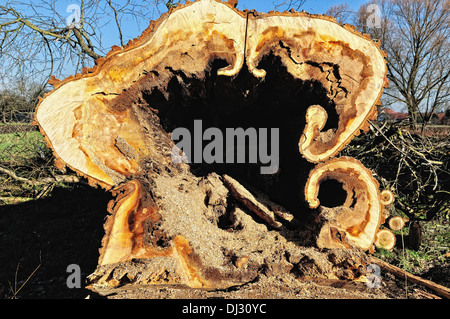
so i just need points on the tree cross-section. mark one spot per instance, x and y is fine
(317, 81)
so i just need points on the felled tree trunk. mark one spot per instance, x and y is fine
(219, 225)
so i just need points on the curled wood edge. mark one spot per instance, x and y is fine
(140, 40)
(314, 202)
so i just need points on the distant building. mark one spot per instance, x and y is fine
(443, 118)
(392, 116)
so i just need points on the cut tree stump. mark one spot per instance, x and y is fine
(196, 224)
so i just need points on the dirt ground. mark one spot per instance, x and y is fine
(40, 239)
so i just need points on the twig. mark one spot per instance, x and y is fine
(385, 137)
(420, 154)
(13, 175)
(14, 200)
(117, 21)
(403, 255)
(46, 180)
(15, 292)
(439, 289)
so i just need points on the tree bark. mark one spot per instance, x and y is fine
(197, 224)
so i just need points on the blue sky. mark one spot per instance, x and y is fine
(311, 6)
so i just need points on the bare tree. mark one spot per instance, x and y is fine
(288, 4)
(341, 12)
(415, 34)
(17, 105)
(40, 38)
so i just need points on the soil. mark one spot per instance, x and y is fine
(40, 239)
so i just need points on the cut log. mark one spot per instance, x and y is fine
(174, 222)
(397, 222)
(348, 66)
(385, 239)
(315, 48)
(387, 198)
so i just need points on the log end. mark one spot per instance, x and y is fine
(397, 222)
(385, 239)
(386, 197)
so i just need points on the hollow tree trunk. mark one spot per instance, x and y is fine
(220, 225)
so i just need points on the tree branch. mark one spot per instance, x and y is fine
(117, 21)
(41, 181)
(84, 47)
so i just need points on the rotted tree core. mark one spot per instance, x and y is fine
(206, 62)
